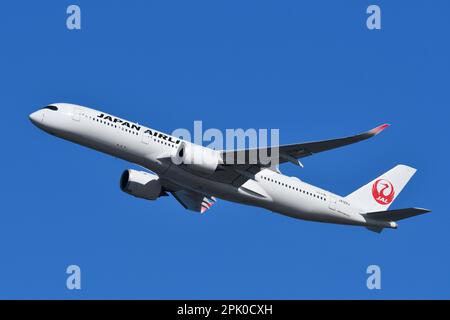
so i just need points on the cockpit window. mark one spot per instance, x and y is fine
(51, 108)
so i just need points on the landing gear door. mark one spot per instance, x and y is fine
(76, 114)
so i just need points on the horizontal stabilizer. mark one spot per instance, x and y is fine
(396, 215)
(375, 229)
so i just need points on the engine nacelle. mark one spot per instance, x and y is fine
(197, 158)
(141, 184)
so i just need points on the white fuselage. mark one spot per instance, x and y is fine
(145, 147)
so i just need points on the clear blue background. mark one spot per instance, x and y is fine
(310, 68)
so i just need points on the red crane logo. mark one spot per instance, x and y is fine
(383, 191)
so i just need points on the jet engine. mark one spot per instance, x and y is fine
(197, 157)
(141, 184)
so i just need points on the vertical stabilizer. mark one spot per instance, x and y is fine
(381, 192)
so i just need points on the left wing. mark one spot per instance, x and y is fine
(194, 201)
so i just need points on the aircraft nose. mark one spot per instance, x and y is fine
(35, 117)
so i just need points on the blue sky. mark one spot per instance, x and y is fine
(310, 68)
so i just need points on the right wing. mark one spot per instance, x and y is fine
(238, 166)
(237, 173)
(293, 152)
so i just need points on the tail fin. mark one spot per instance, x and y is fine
(380, 193)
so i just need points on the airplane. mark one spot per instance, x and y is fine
(196, 185)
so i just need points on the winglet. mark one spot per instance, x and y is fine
(378, 129)
(207, 203)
